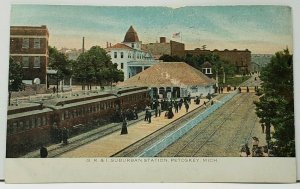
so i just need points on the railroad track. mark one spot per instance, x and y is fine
(192, 145)
(136, 148)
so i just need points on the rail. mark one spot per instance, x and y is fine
(172, 137)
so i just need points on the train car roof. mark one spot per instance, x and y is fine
(100, 99)
(28, 113)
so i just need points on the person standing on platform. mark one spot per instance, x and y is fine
(180, 103)
(65, 135)
(176, 106)
(43, 152)
(124, 127)
(149, 116)
(159, 109)
(186, 106)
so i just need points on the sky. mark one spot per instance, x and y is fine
(261, 29)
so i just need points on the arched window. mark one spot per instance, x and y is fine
(122, 66)
(122, 54)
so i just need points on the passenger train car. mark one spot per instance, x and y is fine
(30, 125)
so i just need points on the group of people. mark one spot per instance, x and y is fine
(59, 135)
(257, 151)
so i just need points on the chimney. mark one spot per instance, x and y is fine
(162, 40)
(106, 44)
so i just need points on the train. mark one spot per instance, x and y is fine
(31, 125)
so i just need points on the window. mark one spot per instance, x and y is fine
(37, 62)
(44, 120)
(129, 55)
(38, 122)
(15, 127)
(32, 122)
(25, 61)
(25, 43)
(37, 43)
(122, 54)
(21, 125)
(132, 45)
(115, 54)
(27, 124)
(122, 66)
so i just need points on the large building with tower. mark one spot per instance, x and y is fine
(130, 55)
(29, 47)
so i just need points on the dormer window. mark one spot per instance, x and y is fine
(132, 45)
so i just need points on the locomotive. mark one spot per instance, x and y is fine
(30, 125)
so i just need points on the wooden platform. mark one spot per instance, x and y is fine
(111, 144)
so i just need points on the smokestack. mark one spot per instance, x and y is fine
(106, 44)
(162, 40)
(83, 45)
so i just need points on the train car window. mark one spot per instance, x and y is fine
(62, 116)
(15, 127)
(21, 125)
(94, 108)
(38, 122)
(33, 123)
(27, 124)
(9, 129)
(101, 106)
(66, 114)
(44, 120)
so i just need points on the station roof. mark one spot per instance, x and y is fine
(169, 74)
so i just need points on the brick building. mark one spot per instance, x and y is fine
(240, 58)
(29, 47)
(164, 47)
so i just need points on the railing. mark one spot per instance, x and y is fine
(174, 136)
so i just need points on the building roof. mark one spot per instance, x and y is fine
(169, 74)
(131, 36)
(119, 46)
(206, 64)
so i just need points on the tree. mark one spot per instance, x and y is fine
(276, 106)
(169, 58)
(95, 66)
(15, 78)
(58, 61)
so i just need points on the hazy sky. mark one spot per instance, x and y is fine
(261, 29)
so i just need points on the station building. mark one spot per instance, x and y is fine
(173, 79)
(130, 55)
(29, 47)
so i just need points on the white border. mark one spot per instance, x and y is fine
(4, 25)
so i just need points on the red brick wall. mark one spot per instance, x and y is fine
(18, 33)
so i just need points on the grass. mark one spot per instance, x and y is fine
(234, 81)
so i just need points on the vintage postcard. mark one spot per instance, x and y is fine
(150, 94)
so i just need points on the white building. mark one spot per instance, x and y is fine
(130, 56)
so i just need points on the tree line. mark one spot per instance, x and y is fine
(276, 105)
(93, 67)
(218, 65)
